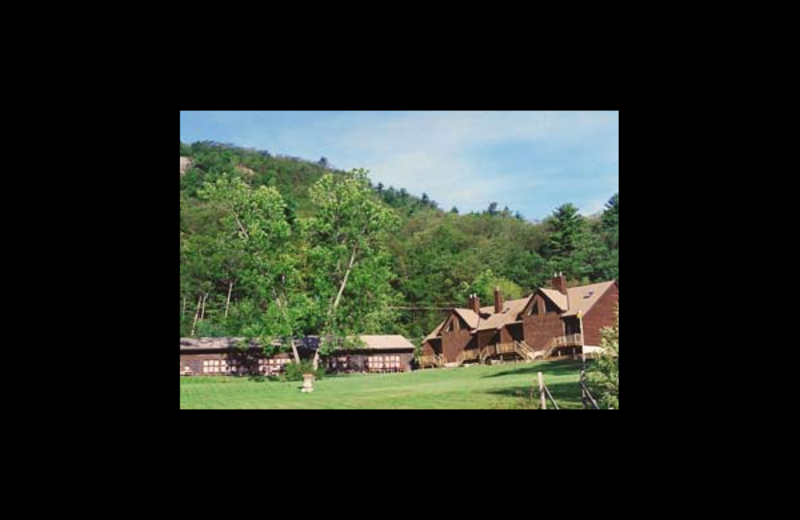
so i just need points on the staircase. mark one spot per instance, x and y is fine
(520, 348)
(525, 352)
(464, 356)
(436, 360)
(572, 340)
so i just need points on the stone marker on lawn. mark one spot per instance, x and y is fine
(308, 383)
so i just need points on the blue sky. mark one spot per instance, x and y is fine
(529, 161)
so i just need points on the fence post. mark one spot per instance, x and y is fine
(541, 392)
(582, 383)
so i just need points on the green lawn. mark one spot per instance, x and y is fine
(502, 386)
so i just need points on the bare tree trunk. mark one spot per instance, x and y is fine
(282, 306)
(241, 227)
(295, 352)
(344, 282)
(228, 305)
(335, 306)
(196, 316)
(203, 313)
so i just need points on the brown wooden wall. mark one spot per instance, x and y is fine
(453, 343)
(486, 338)
(248, 363)
(539, 329)
(601, 315)
(359, 361)
(432, 347)
(512, 332)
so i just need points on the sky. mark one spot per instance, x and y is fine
(531, 162)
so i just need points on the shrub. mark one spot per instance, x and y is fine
(294, 371)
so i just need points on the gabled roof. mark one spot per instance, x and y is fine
(511, 310)
(469, 316)
(487, 320)
(436, 331)
(386, 342)
(557, 297)
(583, 298)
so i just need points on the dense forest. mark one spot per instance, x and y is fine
(275, 246)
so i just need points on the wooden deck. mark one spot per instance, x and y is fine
(518, 348)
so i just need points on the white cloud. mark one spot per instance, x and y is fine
(444, 154)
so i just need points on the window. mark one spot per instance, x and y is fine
(534, 309)
(383, 363)
(214, 366)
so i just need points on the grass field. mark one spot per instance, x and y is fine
(501, 387)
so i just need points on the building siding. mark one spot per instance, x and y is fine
(601, 315)
(539, 329)
(453, 343)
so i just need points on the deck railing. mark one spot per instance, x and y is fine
(520, 348)
(506, 348)
(571, 340)
(430, 361)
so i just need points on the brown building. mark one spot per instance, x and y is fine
(236, 357)
(557, 321)
(379, 354)
(228, 356)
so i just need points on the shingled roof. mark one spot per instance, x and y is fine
(487, 319)
(510, 313)
(386, 342)
(309, 342)
(581, 299)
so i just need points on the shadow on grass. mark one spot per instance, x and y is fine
(528, 396)
(551, 368)
(263, 379)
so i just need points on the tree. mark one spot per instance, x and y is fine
(255, 221)
(484, 286)
(604, 375)
(324, 163)
(566, 226)
(425, 199)
(492, 210)
(567, 234)
(611, 213)
(454, 211)
(610, 222)
(349, 268)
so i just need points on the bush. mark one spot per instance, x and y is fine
(294, 372)
(605, 372)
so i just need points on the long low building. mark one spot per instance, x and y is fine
(238, 356)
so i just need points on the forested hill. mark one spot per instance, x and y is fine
(434, 258)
